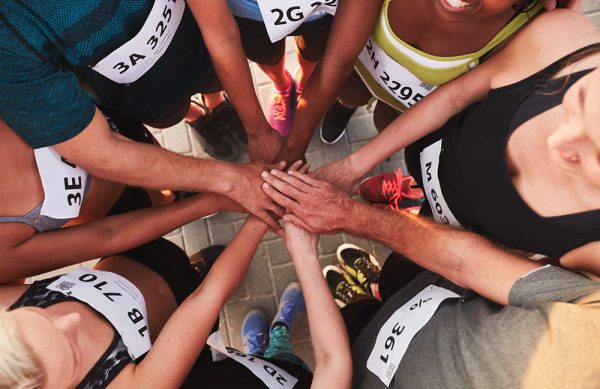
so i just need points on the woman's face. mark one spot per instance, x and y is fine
(575, 145)
(458, 10)
(53, 340)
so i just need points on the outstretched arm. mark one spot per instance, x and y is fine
(184, 335)
(222, 38)
(463, 257)
(112, 157)
(346, 40)
(327, 330)
(51, 250)
(526, 54)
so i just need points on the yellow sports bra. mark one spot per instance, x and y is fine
(400, 75)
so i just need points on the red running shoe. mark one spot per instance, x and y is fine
(394, 189)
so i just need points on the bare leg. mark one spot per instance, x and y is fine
(277, 73)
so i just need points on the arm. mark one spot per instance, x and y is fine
(462, 257)
(527, 53)
(328, 78)
(222, 38)
(327, 330)
(51, 250)
(184, 335)
(112, 157)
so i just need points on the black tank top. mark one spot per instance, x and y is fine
(473, 173)
(112, 361)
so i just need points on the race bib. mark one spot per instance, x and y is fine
(282, 17)
(64, 184)
(117, 299)
(430, 161)
(272, 376)
(133, 59)
(398, 331)
(401, 84)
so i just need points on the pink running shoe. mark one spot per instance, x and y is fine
(394, 189)
(280, 110)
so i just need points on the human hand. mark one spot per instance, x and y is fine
(245, 190)
(288, 154)
(265, 146)
(299, 242)
(314, 205)
(574, 5)
(340, 174)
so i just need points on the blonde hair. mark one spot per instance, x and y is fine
(19, 369)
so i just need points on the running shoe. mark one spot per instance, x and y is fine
(218, 141)
(254, 332)
(344, 289)
(228, 115)
(280, 110)
(291, 306)
(395, 189)
(203, 260)
(359, 264)
(335, 122)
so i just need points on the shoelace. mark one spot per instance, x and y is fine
(256, 340)
(397, 189)
(288, 311)
(280, 105)
(346, 292)
(366, 268)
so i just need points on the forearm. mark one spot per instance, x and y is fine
(422, 119)
(334, 68)
(463, 257)
(110, 156)
(183, 337)
(222, 38)
(107, 236)
(327, 329)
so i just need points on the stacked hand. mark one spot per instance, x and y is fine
(314, 205)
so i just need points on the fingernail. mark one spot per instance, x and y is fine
(274, 172)
(290, 172)
(264, 174)
(265, 186)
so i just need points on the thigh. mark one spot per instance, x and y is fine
(312, 38)
(257, 44)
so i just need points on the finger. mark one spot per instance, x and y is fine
(304, 169)
(280, 232)
(276, 210)
(281, 165)
(288, 218)
(293, 181)
(275, 179)
(305, 178)
(549, 4)
(268, 219)
(279, 198)
(296, 165)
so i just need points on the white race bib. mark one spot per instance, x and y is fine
(272, 376)
(398, 331)
(401, 84)
(282, 17)
(64, 184)
(133, 59)
(117, 299)
(430, 162)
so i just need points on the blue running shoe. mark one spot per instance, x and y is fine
(291, 306)
(254, 332)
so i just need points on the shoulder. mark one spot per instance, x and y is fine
(549, 37)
